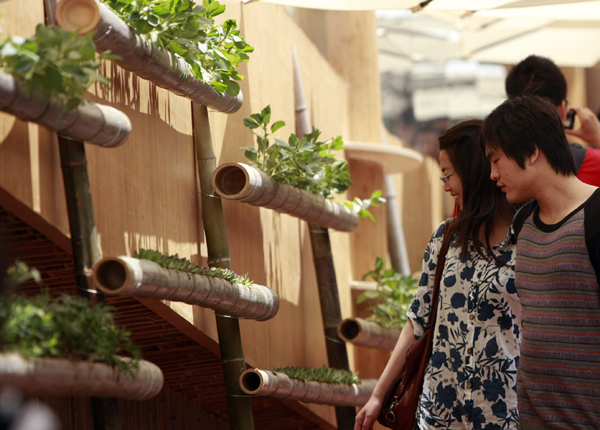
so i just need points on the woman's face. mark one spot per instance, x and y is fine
(452, 184)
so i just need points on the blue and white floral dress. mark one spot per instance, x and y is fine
(472, 375)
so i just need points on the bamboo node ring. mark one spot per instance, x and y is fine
(334, 340)
(211, 195)
(218, 260)
(226, 316)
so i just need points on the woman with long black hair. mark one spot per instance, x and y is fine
(470, 382)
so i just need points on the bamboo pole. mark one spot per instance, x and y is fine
(331, 312)
(361, 332)
(44, 376)
(84, 241)
(257, 382)
(86, 252)
(96, 124)
(247, 184)
(138, 55)
(126, 276)
(228, 327)
(80, 211)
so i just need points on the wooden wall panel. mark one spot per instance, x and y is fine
(145, 193)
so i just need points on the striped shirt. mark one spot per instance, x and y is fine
(557, 265)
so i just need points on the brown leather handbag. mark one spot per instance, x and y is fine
(401, 401)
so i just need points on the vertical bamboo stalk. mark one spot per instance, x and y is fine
(228, 327)
(86, 251)
(80, 211)
(84, 240)
(331, 312)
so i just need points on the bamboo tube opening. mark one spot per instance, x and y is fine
(250, 381)
(349, 329)
(230, 180)
(77, 15)
(110, 275)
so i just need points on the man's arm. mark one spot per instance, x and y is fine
(589, 131)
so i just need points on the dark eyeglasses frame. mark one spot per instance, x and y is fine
(445, 178)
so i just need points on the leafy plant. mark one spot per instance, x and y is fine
(307, 163)
(323, 374)
(189, 31)
(394, 295)
(53, 63)
(67, 327)
(182, 264)
(18, 274)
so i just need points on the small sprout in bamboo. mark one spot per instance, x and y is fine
(182, 264)
(393, 296)
(323, 374)
(307, 163)
(188, 30)
(67, 327)
(54, 63)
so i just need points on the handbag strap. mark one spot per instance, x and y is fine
(439, 270)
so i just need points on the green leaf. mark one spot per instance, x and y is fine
(233, 89)
(276, 126)
(251, 123)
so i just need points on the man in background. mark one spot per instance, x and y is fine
(540, 76)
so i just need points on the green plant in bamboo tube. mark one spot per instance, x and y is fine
(323, 374)
(393, 296)
(66, 327)
(308, 163)
(54, 63)
(184, 265)
(188, 30)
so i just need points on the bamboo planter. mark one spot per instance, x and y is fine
(367, 333)
(138, 55)
(96, 124)
(247, 184)
(257, 382)
(71, 378)
(126, 276)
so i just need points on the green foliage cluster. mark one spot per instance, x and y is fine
(53, 63)
(394, 296)
(324, 374)
(67, 327)
(189, 31)
(184, 265)
(307, 163)
(18, 274)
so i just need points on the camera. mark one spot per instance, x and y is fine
(570, 120)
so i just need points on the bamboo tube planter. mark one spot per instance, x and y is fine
(138, 55)
(257, 382)
(247, 184)
(71, 378)
(126, 276)
(96, 124)
(361, 332)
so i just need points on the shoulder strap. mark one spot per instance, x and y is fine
(521, 215)
(579, 155)
(439, 270)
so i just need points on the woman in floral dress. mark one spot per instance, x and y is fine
(470, 381)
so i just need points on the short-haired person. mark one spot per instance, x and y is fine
(541, 77)
(557, 265)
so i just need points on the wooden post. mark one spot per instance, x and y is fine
(228, 327)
